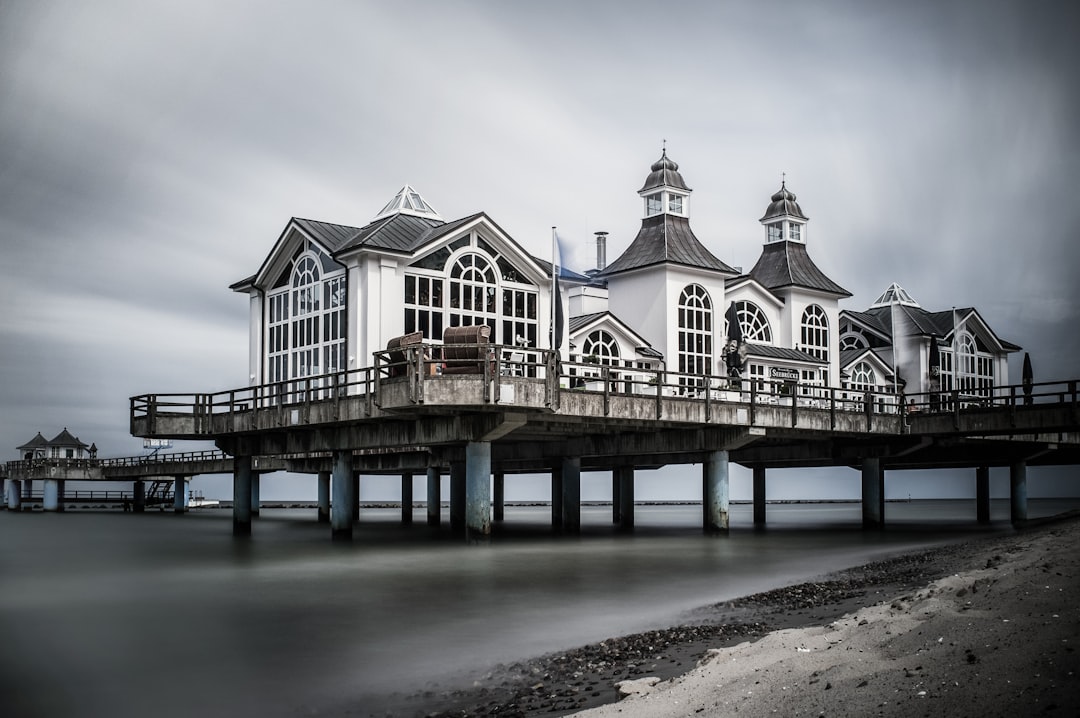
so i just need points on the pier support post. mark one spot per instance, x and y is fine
(434, 496)
(354, 496)
(406, 497)
(616, 514)
(61, 489)
(571, 491)
(138, 490)
(625, 478)
(457, 496)
(556, 497)
(715, 493)
(180, 493)
(1018, 491)
(49, 495)
(341, 507)
(241, 525)
(324, 497)
(759, 496)
(498, 508)
(255, 488)
(3, 493)
(982, 494)
(478, 490)
(873, 493)
(14, 494)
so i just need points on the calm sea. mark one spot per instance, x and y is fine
(112, 614)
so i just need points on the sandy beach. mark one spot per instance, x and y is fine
(988, 627)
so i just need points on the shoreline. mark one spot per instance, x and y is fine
(585, 678)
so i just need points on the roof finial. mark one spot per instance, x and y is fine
(663, 146)
(783, 179)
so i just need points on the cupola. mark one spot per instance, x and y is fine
(784, 219)
(664, 191)
(408, 201)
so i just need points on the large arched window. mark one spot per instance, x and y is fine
(815, 332)
(695, 331)
(468, 282)
(755, 327)
(474, 291)
(601, 347)
(305, 294)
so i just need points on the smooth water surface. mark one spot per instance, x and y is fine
(112, 614)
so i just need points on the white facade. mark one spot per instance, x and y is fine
(328, 296)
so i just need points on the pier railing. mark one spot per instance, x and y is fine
(499, 365)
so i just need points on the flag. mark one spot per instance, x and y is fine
(558, 321)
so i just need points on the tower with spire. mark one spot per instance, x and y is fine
(666, 271)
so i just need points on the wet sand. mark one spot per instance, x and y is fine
(987, 627)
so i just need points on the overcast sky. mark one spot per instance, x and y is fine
(152, 152)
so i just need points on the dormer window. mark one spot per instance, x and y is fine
(653, 204)
(776, 231)
(675, 204)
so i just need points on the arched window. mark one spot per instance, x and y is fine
(601, 345)
(695, 331)
(863, 377)
(305, 321)
(474, 291)
(815, 332)
(755, 327)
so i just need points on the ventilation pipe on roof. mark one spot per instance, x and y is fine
(601, 250)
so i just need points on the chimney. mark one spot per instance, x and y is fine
(601, 250)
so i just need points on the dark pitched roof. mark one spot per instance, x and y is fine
(38, 441)
(396, 233)
(788, 264)
(938, 324)
(581, 320)
(64, 438)
(669, 239)
(771, 352)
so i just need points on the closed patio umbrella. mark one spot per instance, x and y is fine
(1028, 379)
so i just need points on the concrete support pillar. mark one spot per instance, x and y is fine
(180, 502)
(255, 481)
(354, 495)
(3, 493)
(571, 486)
(759, 496)
(478, 490)
(49, 495)
(434, 496)
(556, 497)
(61, 487)
(406, 497)
(625, 477)
(138, 490)
(873, 493)
(241, 525)
(1018, 491)
(324, 497)
(457, 496)
(498, 508)
(341, 507)
(982, 494)
(616, 513)
(14, 494)
(714, 474)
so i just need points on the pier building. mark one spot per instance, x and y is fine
(417, 346)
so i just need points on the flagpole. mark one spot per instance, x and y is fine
(554, 297)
